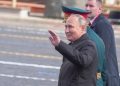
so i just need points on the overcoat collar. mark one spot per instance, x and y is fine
(82, 38)
(96, 20)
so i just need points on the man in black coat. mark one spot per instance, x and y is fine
(95, 38)
(79, 65)
(104, 29)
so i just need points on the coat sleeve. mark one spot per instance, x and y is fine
(82, 57)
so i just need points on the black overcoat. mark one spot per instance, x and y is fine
(104, 29)
(79, 65)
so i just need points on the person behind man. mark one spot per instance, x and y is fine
(79, 65)
(95, 38)
(104, 29)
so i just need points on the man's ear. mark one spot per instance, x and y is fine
(82, 27)
(100, 7)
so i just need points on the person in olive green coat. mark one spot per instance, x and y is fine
(101, 76)
(101, 56)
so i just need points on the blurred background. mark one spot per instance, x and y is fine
(27, 57)
(52, 8)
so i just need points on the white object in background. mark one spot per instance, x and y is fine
(24, 13)
(110, 2)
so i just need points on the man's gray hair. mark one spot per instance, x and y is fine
(81, 19)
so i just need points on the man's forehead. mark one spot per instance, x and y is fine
(91, 3)
(72, 18)
(70, 21)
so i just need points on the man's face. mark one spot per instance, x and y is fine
(72, 29)
(92, 6)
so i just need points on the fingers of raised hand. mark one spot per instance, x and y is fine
(52, 33)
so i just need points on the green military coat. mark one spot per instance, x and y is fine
(101, 55)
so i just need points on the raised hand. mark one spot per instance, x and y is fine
(54, 38)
